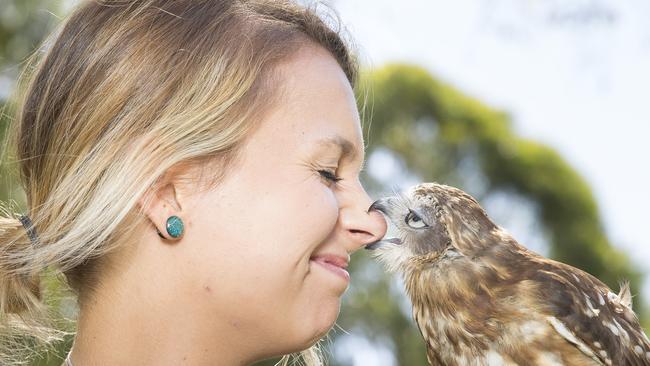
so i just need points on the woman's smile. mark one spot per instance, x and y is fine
(334, 264)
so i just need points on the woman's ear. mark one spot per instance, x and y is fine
(160, 203)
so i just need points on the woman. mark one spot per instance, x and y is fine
(192, 167)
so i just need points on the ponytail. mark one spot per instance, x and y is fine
(23, 314)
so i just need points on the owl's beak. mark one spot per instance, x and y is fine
(374, 245)
(378, 243)
(381, 205)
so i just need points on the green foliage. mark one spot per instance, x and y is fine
(23, 26)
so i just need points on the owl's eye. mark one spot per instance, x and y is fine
(414, 221)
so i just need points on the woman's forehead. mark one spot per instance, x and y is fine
(349, 149)
(318, 106)
(313, 81)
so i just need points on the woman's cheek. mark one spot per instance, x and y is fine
(329, 206)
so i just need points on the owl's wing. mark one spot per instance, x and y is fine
(587, 314)
(567, 334)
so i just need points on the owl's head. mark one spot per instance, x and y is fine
(432, 221)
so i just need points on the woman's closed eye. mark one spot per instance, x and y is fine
(329, 175)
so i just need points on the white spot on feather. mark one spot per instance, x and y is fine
(591, 311)
(622, 331)
(601, 300)
(532, 330)
(612, 328)
(598, 345)
(494, 359)
(612, 296)
(638, 350)
(549, 359)
(603, 353)
(569, 336)
(576, 277)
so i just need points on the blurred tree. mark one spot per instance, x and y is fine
(23, 25)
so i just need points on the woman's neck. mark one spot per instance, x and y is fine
(137, 317)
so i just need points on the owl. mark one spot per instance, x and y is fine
(481, 298)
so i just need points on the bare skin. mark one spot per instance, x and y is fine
(242, 283)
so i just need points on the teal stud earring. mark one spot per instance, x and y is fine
(174, 226)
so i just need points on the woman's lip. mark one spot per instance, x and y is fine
(337, 270)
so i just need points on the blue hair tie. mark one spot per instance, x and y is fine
(31, 231)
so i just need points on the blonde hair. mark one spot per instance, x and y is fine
(124, 91)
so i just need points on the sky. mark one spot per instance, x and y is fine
(573, 75)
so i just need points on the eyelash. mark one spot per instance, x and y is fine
(330, 176)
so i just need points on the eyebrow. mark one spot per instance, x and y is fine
(347, 147)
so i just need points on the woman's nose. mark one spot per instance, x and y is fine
(364, 226)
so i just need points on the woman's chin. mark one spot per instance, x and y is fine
(319, 324)
(325, 320)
